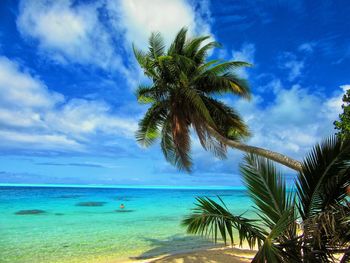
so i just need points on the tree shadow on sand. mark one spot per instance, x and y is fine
(232, 255)
(174, 244)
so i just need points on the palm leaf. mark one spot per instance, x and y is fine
(149, 126)
(178, 45)
(146, 94)
(211, 219)
(156, 45)
(325, 176)
(266, 187)
(271, 251)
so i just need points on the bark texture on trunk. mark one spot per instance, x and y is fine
(277, 157)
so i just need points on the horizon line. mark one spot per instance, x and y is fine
(201, 187)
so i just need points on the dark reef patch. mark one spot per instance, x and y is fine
(30, 212)
(68, 196)
(124, 211)
(59, 214)
(91, 204)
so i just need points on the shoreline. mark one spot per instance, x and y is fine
(223, 254)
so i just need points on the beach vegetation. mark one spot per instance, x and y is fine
(309, 223)
(343, 124)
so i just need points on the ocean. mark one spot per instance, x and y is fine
(77, 224)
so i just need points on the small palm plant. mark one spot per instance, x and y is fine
(183, 95)
(318, 202)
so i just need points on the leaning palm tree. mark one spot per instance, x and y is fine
(182, 95)
(318, 202)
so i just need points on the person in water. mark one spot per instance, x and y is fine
(122, 206)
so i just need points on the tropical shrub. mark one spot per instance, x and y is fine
(311, 223)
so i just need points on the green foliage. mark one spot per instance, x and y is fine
(181, 94)
(211, 219)
(319, 203)
(343, 125)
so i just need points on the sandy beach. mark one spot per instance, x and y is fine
(212, 255)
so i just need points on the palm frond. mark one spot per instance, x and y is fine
(227, 66)
(179, 42)
(156, 45)
(208, 142)
(225, 83)
(325, 176)
(271, 251)
(266, 187)
(194, 98)
(212, 219)
(146, 94)
(228, 122)
(192, 46)
(202, 53)
(149, 126)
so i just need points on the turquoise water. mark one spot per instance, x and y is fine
(66, 232)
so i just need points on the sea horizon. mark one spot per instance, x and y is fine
(184, 187)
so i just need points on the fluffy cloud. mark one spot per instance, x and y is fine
(100, 33)
(33, 117)
(293, 121)
(68, 32)
(246, 54)
(295, 66)
(138, 18)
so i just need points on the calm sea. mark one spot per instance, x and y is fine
(71, 228)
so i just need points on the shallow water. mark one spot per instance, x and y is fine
(98, 231)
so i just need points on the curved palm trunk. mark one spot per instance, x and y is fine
(277, 157)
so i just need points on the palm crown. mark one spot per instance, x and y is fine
(182, 95)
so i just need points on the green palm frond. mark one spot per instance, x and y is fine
(226, 83)
(208, 142)
(179, 42)
(227, 120)
(271, 251)
(202, 53)
(266, 187)
(192, 47)
(212, 219)
(149, 126)
(156, 45)
(325, 176)
(146, 94)
(227, 66)
(239, 86)
(140, 56)
(196, 101)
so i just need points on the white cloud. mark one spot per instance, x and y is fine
(307, 47)
(138, 18)
(33, 117)
(293, 122)
(345, 87)
(100, 33)
(291, 63)
(68, 33)
(246, 54)
(22, 90)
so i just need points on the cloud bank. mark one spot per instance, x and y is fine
(32, 117)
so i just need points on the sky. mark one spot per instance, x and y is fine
(68, 113)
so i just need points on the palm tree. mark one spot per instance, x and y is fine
(182, 95)
(318, 202)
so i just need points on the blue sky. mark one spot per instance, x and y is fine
(67, 78)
